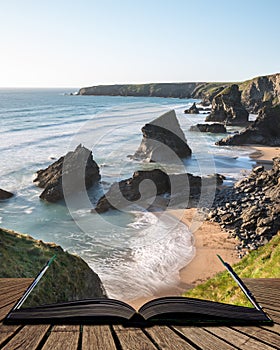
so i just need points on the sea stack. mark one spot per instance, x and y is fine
(192, 110)
(227, 107)
(73, 172)
(163, 140)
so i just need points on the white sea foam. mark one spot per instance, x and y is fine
(159, 247)
(29, 210)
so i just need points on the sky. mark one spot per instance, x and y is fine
(70, 43)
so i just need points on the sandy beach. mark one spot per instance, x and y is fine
(265, 154)
(209, 240)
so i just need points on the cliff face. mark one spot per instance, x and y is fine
(176, 90)
(68, 278)
(259, 90)
(254, 91)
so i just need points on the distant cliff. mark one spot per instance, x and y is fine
(255, 91)
(178, 90)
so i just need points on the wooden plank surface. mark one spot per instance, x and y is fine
(261, 334)
(63, 337)
(166, 338)
(6, 332)
(240, 340)
(29, 337)
(11, 289)
(135, 337)
(204, 339)
(97, 337)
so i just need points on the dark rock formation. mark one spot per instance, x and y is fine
(76, 171)
(265, 130)
(258, 91)
(213, 128)
(163, 140)
(227, 107)
(192, 110)
(68, 278)
(5, 194)
(250, 210)
(137, 190)
(123, 193)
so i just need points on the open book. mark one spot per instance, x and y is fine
(166, 310)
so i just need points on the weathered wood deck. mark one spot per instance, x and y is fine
(267, 292)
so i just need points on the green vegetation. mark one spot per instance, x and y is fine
(210, 89)
(261, 263)
(69, 277)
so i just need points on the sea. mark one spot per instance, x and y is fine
(135, 252)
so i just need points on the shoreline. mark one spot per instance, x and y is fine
(263, 155)
(209, 240)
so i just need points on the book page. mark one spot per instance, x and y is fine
(124, 206)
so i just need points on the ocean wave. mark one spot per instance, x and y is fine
(158, 248)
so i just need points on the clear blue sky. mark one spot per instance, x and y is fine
(66, 43)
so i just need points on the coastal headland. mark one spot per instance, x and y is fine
(254, 92)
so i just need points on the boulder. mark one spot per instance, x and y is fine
(265, 130)
(163, 140)
(227, 108)
(137, 190)
(5, 194)
(192, 110)
(250, 210)
(76, 171)
(213, 128)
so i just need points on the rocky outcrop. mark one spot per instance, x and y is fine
(215, 128)
(192, 110)
(258, 91)
(68, 278)
(126, 192)
(71, 173)
(265, 130)
(250, 210)
(163, 140)
(5, 194)
(145, 185)
(227, 107)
